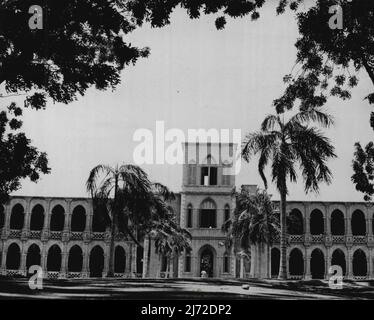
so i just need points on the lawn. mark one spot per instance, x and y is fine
(138, 289)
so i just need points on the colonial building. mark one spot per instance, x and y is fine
(63, 237)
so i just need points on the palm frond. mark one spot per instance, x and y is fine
(270, 122)
(94, 175)
(313, 115)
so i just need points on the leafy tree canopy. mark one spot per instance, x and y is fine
(81, 45)
(18, 158)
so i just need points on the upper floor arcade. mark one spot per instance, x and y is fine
(336, 222)
(53, 218)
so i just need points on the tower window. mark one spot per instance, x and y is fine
(208, 218)
(208, 214)
(227, 212)
(187, 264)
(208, 176)
(189, 216)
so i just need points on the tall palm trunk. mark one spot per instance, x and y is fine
(110, 273)
(283, 237)
(160, 267)
(147, 255)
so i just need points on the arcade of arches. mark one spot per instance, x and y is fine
(62, 238)
(66, 238)
(314, 262)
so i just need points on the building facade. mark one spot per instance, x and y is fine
(63, 237)
(60, 235)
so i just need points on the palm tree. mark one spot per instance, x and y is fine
(121, 194)
(254, 224)
(170, 239)
(286, 144)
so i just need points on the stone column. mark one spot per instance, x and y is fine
(7, 212)
(327, 262)
(64, 263)
(368, 228)
(349, 265)
(308, 274)
(26, 222)
(89, 219)
(47, 216)
(23, 260)
(43, 260)
(233, 263)
(145, 257)
(328, 226)
(307, 225)
(348, 224)
(67, 221)
(86, 262)
(370, 265)
(242, 273)
(133, 262)
(106, 260)
(3, 261)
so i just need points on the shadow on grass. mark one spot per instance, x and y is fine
(140, 289)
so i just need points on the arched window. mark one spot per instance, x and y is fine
(358, 223)
(78, 219)
(296, 263)
(316, 222)
(189, 216)
(33, 257)
(338, 259)
(57, 218)
(37, 218)
(207, 260)
(96, 262)
(359, 263)
(317, 264)
(119, 260)
(227, 212)
(17, 217)
(226, 263)
(337, 223)
(187, 262)
(275, 261)
(208, 214)
(295, 222)
(13, 258)
(54, 259)
(75, 262)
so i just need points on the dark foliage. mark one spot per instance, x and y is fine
(81, 45)
(18, 158)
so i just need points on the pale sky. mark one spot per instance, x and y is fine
(196, 77)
